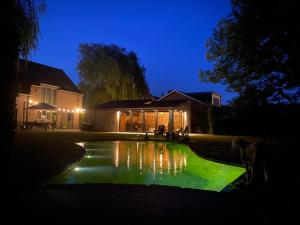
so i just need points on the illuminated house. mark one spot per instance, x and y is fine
(47, 94)
(175, 110)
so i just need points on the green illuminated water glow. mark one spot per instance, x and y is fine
(148, 162)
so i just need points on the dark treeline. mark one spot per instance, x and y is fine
(272, 120)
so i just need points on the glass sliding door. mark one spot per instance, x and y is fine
(150, 118)
(163, 119)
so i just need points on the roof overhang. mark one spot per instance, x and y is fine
(182, 106)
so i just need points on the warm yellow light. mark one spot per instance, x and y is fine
(76, 169)
(59, 109)
(77, 110)
(83, 110)
(64, 110)
(161, 113)
(68, 110)
(30, 101)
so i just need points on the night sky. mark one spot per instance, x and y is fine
(168, 37)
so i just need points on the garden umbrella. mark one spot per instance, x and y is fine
(43, 106)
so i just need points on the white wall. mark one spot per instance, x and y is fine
(105, 121)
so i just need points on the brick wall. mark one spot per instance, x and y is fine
(64, 100)
(105, 121)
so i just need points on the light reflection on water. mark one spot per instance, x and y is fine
(157, 158)
(148, 162)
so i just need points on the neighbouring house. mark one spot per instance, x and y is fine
(175, 110)
(47, 94)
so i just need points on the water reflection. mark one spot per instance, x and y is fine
(148, 162)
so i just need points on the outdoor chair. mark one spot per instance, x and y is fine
(186, 133)
(183, 134)
(160, 131)
(179, 134)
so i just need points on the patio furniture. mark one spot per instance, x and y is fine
(43, 123)
(43, 106)
(170, 135)
(183, 134)
(160, 131)
(178, 134)
(39, 125)
(186, 133)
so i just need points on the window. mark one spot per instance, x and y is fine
(49, 95)
(216, 102)
(44, 115)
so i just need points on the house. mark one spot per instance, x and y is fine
(47, 94)
(175, 110)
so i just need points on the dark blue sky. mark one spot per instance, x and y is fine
(168, 37)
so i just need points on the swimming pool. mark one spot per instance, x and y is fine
(148, 162)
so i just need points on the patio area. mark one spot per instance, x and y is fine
(148, 121)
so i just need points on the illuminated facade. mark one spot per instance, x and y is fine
(175, 110)
(43, 84)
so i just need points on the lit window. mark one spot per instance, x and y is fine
(49, 95)
(216, 101)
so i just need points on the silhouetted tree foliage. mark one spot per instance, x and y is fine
(255, 51)
(108, 72)
(20, 33)
(266, 121)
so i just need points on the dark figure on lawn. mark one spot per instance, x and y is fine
(254, 158)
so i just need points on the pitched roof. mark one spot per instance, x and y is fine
(203, 97)
(139, 104)
(32, 73)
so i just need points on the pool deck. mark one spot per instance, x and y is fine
(38, 156)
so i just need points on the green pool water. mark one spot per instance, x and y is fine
(148, 162)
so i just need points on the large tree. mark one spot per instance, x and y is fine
(20, 35)
(255, 51)
(108, 72)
